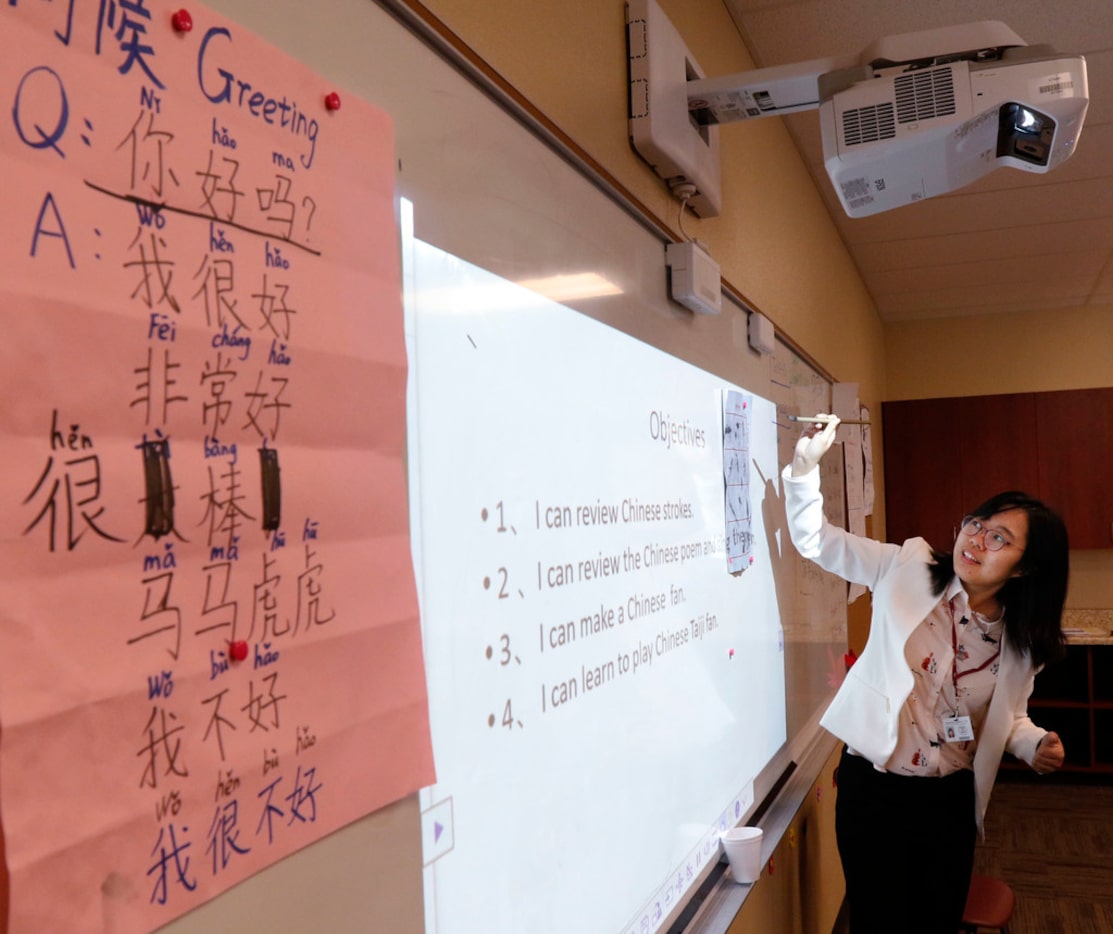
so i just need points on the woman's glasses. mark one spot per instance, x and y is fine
(994, 541)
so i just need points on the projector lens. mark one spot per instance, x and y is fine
(1024, 134)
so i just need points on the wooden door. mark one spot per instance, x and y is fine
(998, 447)
(923, 487)
(1075, 455)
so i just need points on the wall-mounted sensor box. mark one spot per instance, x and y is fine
(761, 333)
(695, 278)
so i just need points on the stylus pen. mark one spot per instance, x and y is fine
(824, 419)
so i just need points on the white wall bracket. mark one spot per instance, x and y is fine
(661, 129)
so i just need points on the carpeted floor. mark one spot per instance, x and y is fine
(1053, 843)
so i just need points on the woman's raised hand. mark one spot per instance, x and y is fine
(813, 444)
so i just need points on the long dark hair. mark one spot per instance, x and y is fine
(1033, 601)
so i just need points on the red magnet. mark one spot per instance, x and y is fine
(237, 650)
(182, 21)
(332, 101)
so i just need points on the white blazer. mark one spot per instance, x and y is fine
(864, 712)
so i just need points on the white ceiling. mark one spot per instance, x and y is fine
(1013, 241)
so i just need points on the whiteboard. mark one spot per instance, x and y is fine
(603, 690)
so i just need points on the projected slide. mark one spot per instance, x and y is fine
(603, 690)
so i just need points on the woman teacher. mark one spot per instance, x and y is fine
(939, 693)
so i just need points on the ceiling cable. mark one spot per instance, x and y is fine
(685, 191)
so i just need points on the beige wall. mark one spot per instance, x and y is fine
(774, 240)
(1031, 352)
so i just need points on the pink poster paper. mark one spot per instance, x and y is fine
(210, 653)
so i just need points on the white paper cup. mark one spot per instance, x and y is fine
(743, 849)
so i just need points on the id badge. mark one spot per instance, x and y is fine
(957, 729)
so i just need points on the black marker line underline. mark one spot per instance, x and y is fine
(156, 207)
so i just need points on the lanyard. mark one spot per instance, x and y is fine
(955, 673)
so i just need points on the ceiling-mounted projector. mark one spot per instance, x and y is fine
(906, 135)
(914, 115)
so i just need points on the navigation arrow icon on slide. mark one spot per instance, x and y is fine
(437, 834)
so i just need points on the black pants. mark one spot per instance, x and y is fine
(907, 848)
